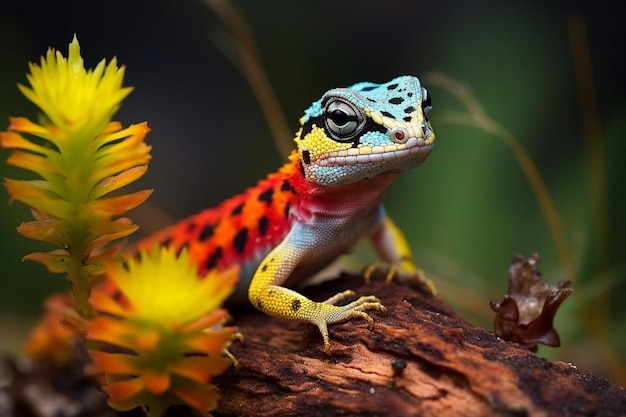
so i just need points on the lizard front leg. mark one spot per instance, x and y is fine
(268, 296)
(393, 248)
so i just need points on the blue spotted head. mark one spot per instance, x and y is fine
(358, 132)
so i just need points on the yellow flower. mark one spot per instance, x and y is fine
(165, 316)
(75, 100)
(81, 157)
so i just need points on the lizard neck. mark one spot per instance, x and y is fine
(337, 201)
(351, 198)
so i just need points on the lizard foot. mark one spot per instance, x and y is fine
(416, 278)
(330, 313)
(237, 336)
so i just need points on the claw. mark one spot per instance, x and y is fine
(339, 297)
(355, 309)
(238, 336)
(368, 272)
(416, 278)
(390, 271)
(419, 280)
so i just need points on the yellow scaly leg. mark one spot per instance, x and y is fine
(268, 296)
(394, 249)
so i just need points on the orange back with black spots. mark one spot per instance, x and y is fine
(240, 230)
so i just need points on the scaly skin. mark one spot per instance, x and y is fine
(352, 145)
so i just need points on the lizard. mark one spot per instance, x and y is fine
(352, 144)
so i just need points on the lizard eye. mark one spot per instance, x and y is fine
(343, 120)
(427, 105)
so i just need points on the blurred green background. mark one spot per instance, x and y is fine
(466, 212)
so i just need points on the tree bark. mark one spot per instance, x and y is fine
(421, 359)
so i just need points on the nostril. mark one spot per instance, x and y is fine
(424, 130)
(399, 134)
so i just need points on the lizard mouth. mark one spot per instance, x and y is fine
(412, 148)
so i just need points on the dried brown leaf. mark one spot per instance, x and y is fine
(526, 313)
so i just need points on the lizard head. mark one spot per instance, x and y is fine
(359, 132)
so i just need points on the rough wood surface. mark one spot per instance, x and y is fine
(422, 359)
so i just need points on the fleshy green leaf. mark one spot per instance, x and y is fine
(57, 261)
(44, 230)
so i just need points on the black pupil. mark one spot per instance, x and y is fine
(339, 117)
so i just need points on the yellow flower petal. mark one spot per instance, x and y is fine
(114, 132)
(117, 363)
(14, 140)
(116, 332)
(213, 320)
(42, 200)
(122, 394)
(165, 288)
(210, 342)
(36, 163)
(202, 398)
(44, 188)
(127, 151)
(107, 232)
(200, 369)
(149, 340)
(115, 182)
(104, 303)
(22, 124)
(115, 206)
(157, 382)
(75, 99)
